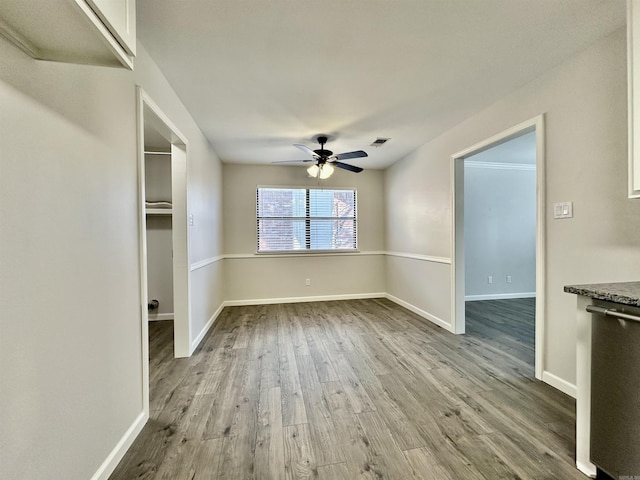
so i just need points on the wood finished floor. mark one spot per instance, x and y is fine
(353, 389)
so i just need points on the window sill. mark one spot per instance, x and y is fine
(312, 253)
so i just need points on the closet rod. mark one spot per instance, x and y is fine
(156, 153)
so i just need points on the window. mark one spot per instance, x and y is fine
(302, 219)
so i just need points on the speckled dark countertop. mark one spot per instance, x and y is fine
(627, 293)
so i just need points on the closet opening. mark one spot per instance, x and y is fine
(164, 234)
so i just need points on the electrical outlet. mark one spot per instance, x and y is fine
(489, 279)
(508, 278)
(307, 282)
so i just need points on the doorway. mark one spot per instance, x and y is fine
(163, 226)
(504, 283)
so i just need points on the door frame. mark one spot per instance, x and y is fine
(457, 207)
(148, 112)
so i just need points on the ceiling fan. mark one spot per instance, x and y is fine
(325, 160)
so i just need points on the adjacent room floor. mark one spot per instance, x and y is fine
(352, 389)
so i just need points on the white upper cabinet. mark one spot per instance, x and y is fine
(120, 18)
(92, 32)
(633, 55)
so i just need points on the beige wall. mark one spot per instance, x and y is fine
(584, 102)
(70, 318)
(249, 277)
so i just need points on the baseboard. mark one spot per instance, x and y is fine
(196, 341)
(422, 313)
(318, 298)
(499, 296)
(589, 470)
(559, 383)
(160, 316)
(112, 460)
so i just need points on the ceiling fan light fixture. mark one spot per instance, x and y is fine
(313, 171)
(326, 171)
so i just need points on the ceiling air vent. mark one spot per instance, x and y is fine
(378, 142)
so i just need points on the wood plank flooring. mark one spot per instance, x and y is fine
(359, 389)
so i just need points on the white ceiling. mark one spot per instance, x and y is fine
(260, 75)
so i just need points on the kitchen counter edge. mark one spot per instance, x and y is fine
(626, 293)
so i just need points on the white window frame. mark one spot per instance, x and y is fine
(308, 251)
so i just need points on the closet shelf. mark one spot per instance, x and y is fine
(158, 207)
(159, 211)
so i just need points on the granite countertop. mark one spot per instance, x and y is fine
(627, 293)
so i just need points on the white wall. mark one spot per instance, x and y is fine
(70, 340)
(499, 229)
(250, 277)
(584, 101)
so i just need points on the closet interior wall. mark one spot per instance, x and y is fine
(159, 230)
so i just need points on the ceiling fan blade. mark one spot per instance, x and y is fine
(294, 161)
(306, 149)
(348, 155)
(346, 166)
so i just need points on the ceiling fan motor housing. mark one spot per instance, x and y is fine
(321, 152)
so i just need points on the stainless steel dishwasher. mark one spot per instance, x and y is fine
(615, 389)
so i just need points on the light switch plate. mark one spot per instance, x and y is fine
(563, 210)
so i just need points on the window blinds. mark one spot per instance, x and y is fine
(299, 219)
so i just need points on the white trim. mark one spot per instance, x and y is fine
(160, 317)
(415, 256)
(458, 312)
(340, 253)
(305, 252)
(422, 313)
(499, 296)
(180, 232)
(112, 460)
(506, 135)
(168, 125)
(142, 249)
(633, 100)
(588, 469)
(196, 341)
(559, 383)
(500, 166)
(318, 298)
(541, 248)
(583, 384)
(207, 261)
